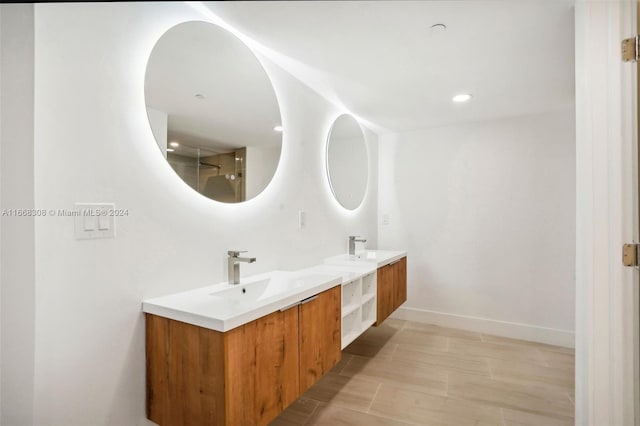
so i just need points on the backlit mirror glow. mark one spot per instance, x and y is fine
(207, 93)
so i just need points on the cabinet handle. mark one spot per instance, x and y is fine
(310, 299)
(286, 308)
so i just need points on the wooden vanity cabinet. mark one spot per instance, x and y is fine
(400, 282)
(392, 288)
(261, 368)
(320, 336)
(246, 376)
(386, 292)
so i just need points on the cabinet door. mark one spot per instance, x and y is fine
(320, 336)
(399, 282)
(386, 293)
(185, 373)
(261, 373)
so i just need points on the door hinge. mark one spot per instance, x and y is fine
(631, 49)
(630, 254)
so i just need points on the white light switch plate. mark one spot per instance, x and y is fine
(94, 220)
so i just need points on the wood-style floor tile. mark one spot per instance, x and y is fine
(525, 343)
(376, 341)
(442, 359)
(370, 348)
(548, 401)
(424, 409)
(410, 374)
(297, 413)
(394, 323)
(558, 359)
(349, 392)
(405, 373)
(522, 418)
(384, 331)
(442, 331)
(532, 374)
(493, 350)
(342, 363)
(331, 415)
(432, 342)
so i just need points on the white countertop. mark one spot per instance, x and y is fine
(224, 306)
(374, 257)
(347, 272)
(277, 290)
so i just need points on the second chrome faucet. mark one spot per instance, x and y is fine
(234, 265)
(353, 239)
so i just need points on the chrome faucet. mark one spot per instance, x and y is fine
(353, 239)
(234, 265)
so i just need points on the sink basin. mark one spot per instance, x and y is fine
(373, 257)
(367, 256)
(224, 306)
(360, 257)
(258, 290)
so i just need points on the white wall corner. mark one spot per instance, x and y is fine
(606, 297)
(17, 240)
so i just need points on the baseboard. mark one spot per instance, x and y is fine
(513, 330)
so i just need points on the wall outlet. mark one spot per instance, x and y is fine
(386, 220)
(302, 219)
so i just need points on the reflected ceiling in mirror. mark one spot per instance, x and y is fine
(213, 111)
(347, 162)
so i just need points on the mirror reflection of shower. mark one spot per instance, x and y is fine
(217, 175)
(207, 93)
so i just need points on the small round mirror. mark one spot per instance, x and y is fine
(347, 162)
(213, 111)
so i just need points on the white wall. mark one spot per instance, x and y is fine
(91, 117)
(17, 258)
(487, 214)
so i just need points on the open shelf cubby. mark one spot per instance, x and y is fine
(358, 306)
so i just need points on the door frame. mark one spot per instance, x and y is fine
(606, 216)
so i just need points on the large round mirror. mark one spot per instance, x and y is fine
(213, 111)
(347, 162)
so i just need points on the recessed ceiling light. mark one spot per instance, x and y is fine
(462, 97)
(278, 128)
(170, 149)
(199, 96)
(174, 144)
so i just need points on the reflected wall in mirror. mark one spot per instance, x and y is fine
(213, 111)
(347, 162)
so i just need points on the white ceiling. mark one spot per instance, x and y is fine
(381, 60)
